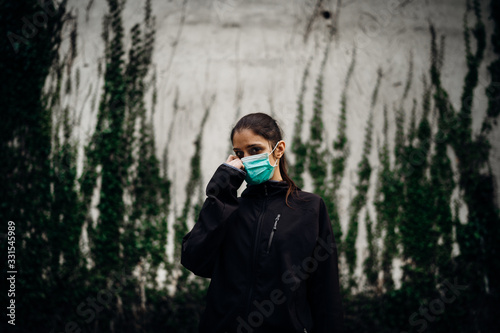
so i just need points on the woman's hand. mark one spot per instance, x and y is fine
(235, 161)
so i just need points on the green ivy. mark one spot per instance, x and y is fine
(194, 183)
(316, 162)
(298, 147)
(363, 182)
(415, 220)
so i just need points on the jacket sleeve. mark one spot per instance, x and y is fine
(323, 285)
(200, 246)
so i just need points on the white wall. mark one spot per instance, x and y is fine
(258, 47)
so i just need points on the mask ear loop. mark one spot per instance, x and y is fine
(275, 164)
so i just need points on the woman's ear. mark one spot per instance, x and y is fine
(280, 149)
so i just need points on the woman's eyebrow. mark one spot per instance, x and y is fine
(249, 146)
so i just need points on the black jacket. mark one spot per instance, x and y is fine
(272, 268)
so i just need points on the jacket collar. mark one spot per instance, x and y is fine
(269, 187)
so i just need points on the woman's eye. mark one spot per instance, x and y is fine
(239, 154)
(255, 150)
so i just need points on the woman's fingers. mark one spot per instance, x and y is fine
(235, 161)
(230, 158)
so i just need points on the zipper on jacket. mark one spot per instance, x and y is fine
(254, 257)
(272, 233)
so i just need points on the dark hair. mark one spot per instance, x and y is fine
(264, 125)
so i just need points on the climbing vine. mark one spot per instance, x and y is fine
(363, 182)
(317, 164)
(299, 148)
(106, 225)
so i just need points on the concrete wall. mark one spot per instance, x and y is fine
(251, 56)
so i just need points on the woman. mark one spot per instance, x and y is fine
(270, 253)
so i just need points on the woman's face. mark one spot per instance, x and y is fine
(247, 143)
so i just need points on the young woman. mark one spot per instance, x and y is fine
(270, 253)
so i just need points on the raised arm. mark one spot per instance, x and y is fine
(200, 247)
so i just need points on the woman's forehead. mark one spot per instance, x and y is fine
(246, 138)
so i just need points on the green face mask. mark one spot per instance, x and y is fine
(258, 168)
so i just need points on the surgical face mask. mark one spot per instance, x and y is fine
(258, 168)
